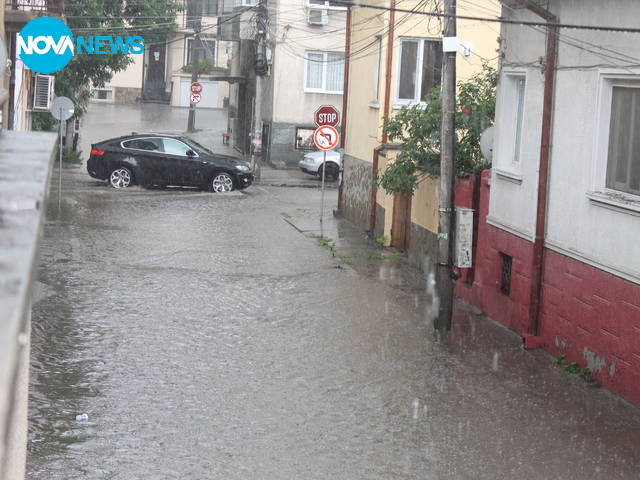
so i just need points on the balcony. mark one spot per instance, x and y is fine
(18, 13)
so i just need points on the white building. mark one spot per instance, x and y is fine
(290, 55)
(587, 305)
(163, 73)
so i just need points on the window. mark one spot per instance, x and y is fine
(327, 4)
(324, 72)
(207, 50)
(378, 68)
(505, 276)
(511, 149)
(174, 147)
(518, 83)
(209, 8)
(419, 69)
(623, 159)
(102, 94)
(151, 144)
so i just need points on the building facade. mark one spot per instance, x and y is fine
(290, 54)
(557, 259)
(395, 59)
(163, 74)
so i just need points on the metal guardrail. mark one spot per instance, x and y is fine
(51, 6)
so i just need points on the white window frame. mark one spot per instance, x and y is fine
(599, 193)
(246, 3)
(418, 81)
(205, 40)
(110, 95)
(507, 161)
(517, 89)
(323, 88)
(377, 73)
(325, 4)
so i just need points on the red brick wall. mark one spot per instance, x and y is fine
(587, 314)
(593, 317)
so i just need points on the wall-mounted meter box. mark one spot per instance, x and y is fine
(464, 237)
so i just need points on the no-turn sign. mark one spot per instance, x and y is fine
(195, 98)
(326, 137)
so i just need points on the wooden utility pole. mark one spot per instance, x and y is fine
(444, 283)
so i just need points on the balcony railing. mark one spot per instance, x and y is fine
(55, 7)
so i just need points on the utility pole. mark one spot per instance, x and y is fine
(195, 50)
(444, 283)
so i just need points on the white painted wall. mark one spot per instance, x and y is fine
(294, 36)
(602, 233)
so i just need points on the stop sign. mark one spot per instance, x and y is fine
(327, 115)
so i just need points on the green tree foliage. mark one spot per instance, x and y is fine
(153, 20)
(418, 128)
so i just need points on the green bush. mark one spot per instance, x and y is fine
(418, 127)
(207, 66)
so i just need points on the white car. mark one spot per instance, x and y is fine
(312, 163)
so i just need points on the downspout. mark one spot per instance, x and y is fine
(543, 176)
(345, 95)
(387, 108)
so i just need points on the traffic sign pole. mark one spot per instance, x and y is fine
(62, 109)
(325, 138)
(324, 165)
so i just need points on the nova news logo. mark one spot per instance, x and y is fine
(46, 45)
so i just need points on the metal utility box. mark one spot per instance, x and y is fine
(464, 237)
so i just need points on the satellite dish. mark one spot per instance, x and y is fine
(62, 108)
(486, 143)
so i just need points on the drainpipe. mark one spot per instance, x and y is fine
(387, 107)
(543, 176)
(345, 95)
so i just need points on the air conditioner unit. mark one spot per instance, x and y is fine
(318, 16)
(43, 92)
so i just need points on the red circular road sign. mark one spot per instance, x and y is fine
(327, 115)
(326, 137)
(195, 98)
(196, 87)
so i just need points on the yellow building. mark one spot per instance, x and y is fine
(395, 58)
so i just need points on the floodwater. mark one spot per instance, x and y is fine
(209, 336)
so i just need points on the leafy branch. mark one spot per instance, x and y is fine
(418, 128)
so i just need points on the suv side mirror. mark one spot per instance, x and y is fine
(191, 153)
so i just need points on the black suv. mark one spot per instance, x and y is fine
(164, 159)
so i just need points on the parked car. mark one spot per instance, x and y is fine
(312, 163)
(162, 160)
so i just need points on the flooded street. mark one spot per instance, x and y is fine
(211, 336)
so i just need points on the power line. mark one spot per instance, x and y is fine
(523, 23)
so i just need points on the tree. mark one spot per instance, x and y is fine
(153, 20)
(418, 127)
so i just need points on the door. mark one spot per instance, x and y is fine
(182, 169)
(401, 223)
(154, 85)
(148, 159)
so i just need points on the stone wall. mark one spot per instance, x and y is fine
(127, 95)
(356, 193)
(422, 249)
